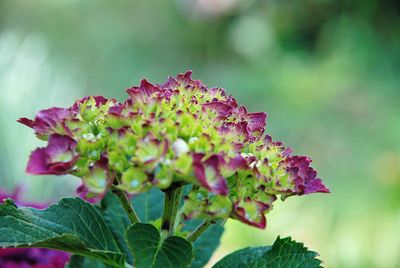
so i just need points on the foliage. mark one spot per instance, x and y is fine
(283, 253)
(78, 227)
(71, 225)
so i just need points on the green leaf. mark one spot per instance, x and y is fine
(206, 244)
(284, 253)
(77, 261)
(117, 220)
(247, 257)
(150, 251)
(71, 225)
(289, 253)
(149, 205)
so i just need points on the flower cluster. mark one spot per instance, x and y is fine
(30, 257)
(176, 132)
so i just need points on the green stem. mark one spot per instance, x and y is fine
(199, 231)
(171, 206)
(126, 204)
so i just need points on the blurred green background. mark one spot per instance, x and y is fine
(327, 72)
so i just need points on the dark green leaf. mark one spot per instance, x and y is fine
(284, 253)
(117, 220)
(84, 262)
(71, 225)
(150, 251)
(247, 257)
(149, 205)
(289, 253)
(206, 244)
(75, 262)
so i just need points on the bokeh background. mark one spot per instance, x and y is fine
(326, 71)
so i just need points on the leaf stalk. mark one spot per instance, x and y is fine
(126, 204)
(171, 206)
(192, 237)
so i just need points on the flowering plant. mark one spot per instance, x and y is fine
(194, 147)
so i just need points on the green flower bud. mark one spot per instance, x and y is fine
(183, 165)
(134, 180)
(88, 110)
(163, 176)
(118, 161)
(91, 146)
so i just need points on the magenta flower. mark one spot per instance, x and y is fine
(58, 157)
(209, 174)
(30, 257)
(96, 181)
(48, 121)
(251, 212)
(304, 177)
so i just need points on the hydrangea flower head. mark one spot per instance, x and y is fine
(177, 132)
